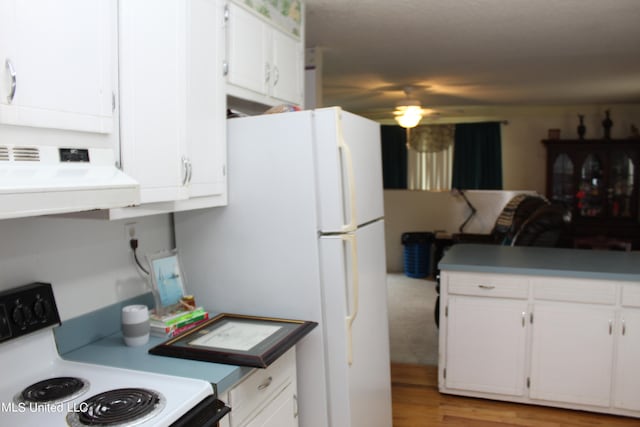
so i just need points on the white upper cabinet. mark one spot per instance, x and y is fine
(173, 133)
(248, 45)
(58, 66)
(265, 62)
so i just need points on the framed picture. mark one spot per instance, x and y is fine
(237, 340)
(166, 279)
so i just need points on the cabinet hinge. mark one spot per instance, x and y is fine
(226, 13)
(446, 311)
(444, 373)
(225, 68)
(113, 102)
(531, 317)
(528, 382)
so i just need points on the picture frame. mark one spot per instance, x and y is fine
(236, 339)
(167, 280)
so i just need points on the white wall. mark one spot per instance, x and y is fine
(88, 262)
(407, 211)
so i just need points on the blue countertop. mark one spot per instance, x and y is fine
(96, 338)
(584, 263)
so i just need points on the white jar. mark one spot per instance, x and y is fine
(135, 324)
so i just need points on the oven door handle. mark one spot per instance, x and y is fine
(207, 413)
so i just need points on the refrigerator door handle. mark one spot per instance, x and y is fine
(353, 312)
(348, 160)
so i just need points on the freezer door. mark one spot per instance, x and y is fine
(356, 327)
(349, 170)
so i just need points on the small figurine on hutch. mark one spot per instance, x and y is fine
(582, 129)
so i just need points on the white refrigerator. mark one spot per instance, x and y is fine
(303, 238)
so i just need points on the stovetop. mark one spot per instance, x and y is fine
(28, 355)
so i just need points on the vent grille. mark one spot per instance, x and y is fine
(26, 154)
(4, 153)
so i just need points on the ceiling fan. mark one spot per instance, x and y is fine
(423, 139)
(408, 112)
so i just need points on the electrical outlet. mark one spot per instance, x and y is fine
(130, 231)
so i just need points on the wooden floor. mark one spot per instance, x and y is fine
(417, 403)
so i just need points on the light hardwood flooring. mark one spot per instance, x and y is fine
(417, 403)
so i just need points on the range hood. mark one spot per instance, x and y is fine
(43, 180)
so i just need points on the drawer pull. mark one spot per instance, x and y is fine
(486, 286)
(265, 384)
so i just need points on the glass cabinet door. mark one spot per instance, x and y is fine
(591, 194)
(563, 184)
(621, 179)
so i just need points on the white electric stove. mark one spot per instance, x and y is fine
(39, 388)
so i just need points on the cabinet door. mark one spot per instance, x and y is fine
(621, 190)
(562, 179)
(486, 344)
(287, 59)
(153, 85)
(206, 100)
(591, 192)
(572, 353)
(57, 56)
(248, 41)
(280, 412)
(627, 369)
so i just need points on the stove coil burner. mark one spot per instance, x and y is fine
(118, 407)
(53, 390)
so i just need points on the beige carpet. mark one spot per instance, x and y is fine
(412, 330)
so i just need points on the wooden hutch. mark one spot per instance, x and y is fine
(599, 180)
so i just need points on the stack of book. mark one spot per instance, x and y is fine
(176, 322)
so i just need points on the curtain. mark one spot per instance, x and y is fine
(477, 156)
(430, 171)
(394, 156)
(430, 157)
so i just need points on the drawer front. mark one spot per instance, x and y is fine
(631, 295)
(491, 285)
(576, 290)
(260, 386)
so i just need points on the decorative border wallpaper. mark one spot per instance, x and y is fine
(286, 14)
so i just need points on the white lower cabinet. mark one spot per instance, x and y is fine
(564, 342)
(626, 380)
(492, 331)
(281, 412)
(572, 353)
(266, 397)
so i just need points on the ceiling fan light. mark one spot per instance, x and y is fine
(410, 117)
